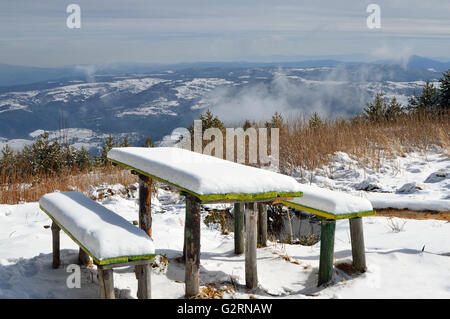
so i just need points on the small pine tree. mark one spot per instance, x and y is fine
(148, 142)
(315, 121)
(7, 161)
(246, 125)
(102, 158)
(83, 159)
(375, 111)
(45, 157)
(427, 100)
(444, 92)
(393, 110)
(125, 142)
(208, 121)
(277, 121)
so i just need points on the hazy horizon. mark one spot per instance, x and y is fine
(168, 32)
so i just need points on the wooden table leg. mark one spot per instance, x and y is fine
(192, 243)
(55, 239)
(83, 257)
(251, 219)
(357, 238)
(238, 228)
(326, 250)
(262, 225)
(144, 273)
(145, 204)
(106, 283)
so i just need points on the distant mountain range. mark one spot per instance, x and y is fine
(137, 100)
(16, 75)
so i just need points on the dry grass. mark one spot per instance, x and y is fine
(347, 267)
(30, 189)
(287, 258)
(302, 145)
(214, 290)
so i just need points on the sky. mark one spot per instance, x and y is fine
(35, 33)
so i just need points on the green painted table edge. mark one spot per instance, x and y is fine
(325, 214)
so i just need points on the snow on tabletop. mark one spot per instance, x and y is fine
(203, 174)
(333, 202)
(102, 232)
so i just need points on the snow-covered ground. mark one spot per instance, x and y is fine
(405, 258)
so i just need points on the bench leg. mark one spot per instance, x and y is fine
(83, 258)
(251, 220)
(357, 238)
(106, 283)
(145, 204)
(192, 245)
(55, 239)
(262, 225)
(144, 274)
(326, 251)
(238, 228)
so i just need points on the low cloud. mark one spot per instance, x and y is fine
(400, 55)
(331, 95)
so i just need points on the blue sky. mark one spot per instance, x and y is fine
(35, 33)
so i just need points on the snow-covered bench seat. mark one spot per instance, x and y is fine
(331, 206)
(108, 238)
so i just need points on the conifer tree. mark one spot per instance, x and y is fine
(208, 121)
(148, 142)
(376, 110)
(315, 121)
(102, 159)
(277, 121)
(393, 110)
(427, 100)
(444, 92)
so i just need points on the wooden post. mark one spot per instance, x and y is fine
(145, 204)
(291, 233)
(106, 283)
(357, 238)
(144, 273)
(326, 250)
(55, 239)
(83, 258)
(251, 273)
(238, 228)
(262, 225)
(192, 243)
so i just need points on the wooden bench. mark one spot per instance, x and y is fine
(331, 206)
(109, 239)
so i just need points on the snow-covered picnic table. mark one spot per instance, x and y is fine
(205, 179)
